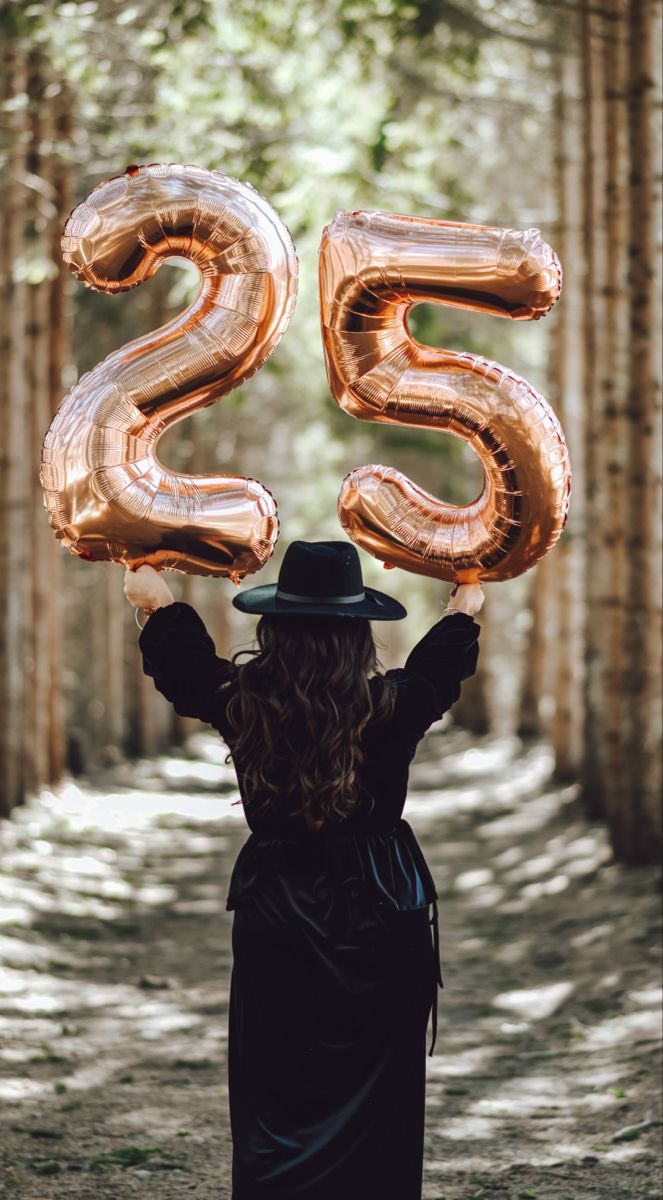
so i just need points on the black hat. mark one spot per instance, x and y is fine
(320, 579)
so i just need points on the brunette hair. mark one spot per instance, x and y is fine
(301, 705)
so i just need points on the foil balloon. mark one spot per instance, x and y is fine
(106, 493)
(373, 268)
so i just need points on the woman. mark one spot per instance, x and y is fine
(334, 971)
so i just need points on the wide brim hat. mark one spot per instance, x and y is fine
(320, 579)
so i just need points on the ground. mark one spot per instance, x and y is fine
(114, 976)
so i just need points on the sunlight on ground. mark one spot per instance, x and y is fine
(88, 872)
(579, 856)
(630, 1026)
(535, 1003)
(623, 1153)
(647, 997)
(514, 952)
(484, 760)
(121, 1013)
(456, 1065)
(472, 879)
(539, 1094)
(524, 779)
(160, 1122)
(600, 932)
(119, 812)
(468, 1128)
(180, 769)
(528, 815)
(36, 900)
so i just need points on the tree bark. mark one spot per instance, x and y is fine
(472, 711)
(141, 733)
(182, 727)
(636, 827)
(115, 717)
(567, 375)
(594, 138)
(6, 272)
(59, 360)
(530, 718)
(13, 559)
(39, 213)
(31, 742)
(622, 316)
(615, 384)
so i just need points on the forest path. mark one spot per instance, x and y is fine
(114, 976)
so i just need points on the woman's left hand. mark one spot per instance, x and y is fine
(145, 588)
(466, 598)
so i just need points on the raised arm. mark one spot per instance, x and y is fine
(435, 668)
(179, 654)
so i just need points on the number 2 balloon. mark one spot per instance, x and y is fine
(106, 493)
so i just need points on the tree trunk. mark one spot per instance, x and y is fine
(595, 349)
(636, 825)
(182, 727)
(8, 207)
(31, 741)
(114, 723)
(13, 558)
(141, 733)
(530, 717)
(39, 214)
(615, 383)
(622, 316)
(567, 375)
(472, 711)
(59, 359)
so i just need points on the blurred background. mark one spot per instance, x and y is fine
(537, 800)
(503, 112)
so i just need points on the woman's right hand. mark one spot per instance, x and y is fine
(466, 598)
(145, 588)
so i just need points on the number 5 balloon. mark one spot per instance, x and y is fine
(373, 268)
(106, 493)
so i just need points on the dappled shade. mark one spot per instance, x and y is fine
(115, 957)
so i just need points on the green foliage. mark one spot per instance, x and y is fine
(425, 107)
(123, 1156)
(46, 1167)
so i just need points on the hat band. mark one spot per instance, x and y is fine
(320, 599)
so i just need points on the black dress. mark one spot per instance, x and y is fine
(334, 969)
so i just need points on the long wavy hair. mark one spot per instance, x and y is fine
(300, 708)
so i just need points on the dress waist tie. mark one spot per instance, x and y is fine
(437, 971)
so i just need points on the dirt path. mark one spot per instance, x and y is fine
(114, 973)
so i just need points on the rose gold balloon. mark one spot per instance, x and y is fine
(107, 495)
(373, 268)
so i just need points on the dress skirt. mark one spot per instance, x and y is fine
(329, 1005)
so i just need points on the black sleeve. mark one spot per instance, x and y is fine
(180, 655)
(429, 683)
